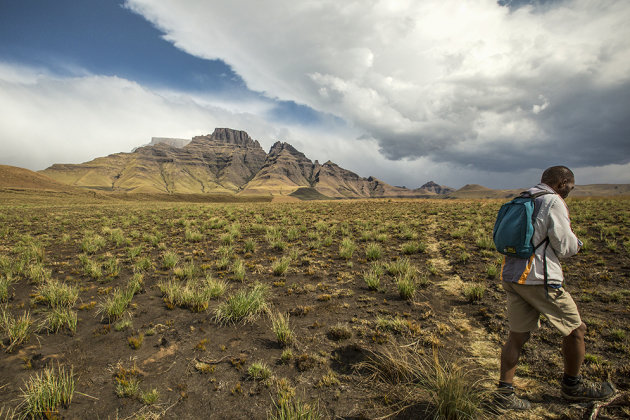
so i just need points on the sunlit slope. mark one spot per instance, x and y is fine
(19, 178)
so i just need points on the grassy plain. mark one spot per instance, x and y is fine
(336, 309)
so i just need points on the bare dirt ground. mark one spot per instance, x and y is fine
(201, 368)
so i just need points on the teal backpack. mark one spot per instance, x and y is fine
(514, 227)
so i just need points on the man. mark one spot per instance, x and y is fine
(528, 296)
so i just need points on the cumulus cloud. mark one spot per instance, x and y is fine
(48, 119)
(467, 83)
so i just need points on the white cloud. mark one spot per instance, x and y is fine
(48, 120)
(470, 83)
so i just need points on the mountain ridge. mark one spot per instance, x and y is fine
(226, 161)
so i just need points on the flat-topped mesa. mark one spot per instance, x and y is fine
(229, 136)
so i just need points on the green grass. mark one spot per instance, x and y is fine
(186, 271)
(281, 328)
(245, 305)
(259, 371)
(45, 392)
(114, 305)
(149, 397)
(58, 318)
(238, 270)
(36, 272)
(57, 294)
(294, 409)
(92, 243)
(454, 391)
(250, 245)
(5, 282)
(193, 235)
(91, 268)
(474, 292)
(492, 271)
(169, 259)
(400, 266)
(373, 252)
(372, 279)
(347, 248)
(16, 330)
(194, 294)
(406, 285)
(281, 266)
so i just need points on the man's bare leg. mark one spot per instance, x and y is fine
(573, 350)
(510, 354)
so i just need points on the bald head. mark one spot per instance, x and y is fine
(560, 179)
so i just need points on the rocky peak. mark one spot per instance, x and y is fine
(436, 188)
(229, 136)
(279, 147)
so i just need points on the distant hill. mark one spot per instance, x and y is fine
(12, 177)
(226, 161)
(474, 191)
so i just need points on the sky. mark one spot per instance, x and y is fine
(458, 92)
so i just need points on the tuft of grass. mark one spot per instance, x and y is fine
(92, 243)
(134, 251)
(474, 292)
(44, 393)
(373, 251)
(243, 306)
(347, 248)
(250, 245)
(406, 285)
(484, 242)
(397, 325)
(400, 266)
(454, 391)
(186, 271)
(59, 317)
(135, 341)
(111, 266)
(238, 270)
(37, 273)
(57, 294)
(193, 235)
(123, 324)
(149, 397)
(169, 259)
(280, 267)
(286, 356)
(114, 305)
(91, 268)
(142, 265)
(16, 330)
(127, 382)
(5, 282)
(280, 327)
(492, 271)
(294, 409)
(259, 371)
(339, 332)
(372, 279)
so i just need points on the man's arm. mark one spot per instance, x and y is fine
(561, 237)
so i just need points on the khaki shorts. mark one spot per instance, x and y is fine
(525, 303)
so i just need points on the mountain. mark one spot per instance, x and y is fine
(474, 191)
(221, 162)
(12, 177)
(226, 161)
(436, 189)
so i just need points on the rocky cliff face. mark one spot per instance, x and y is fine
(225, 161)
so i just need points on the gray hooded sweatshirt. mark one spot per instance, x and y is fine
(552, 221)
